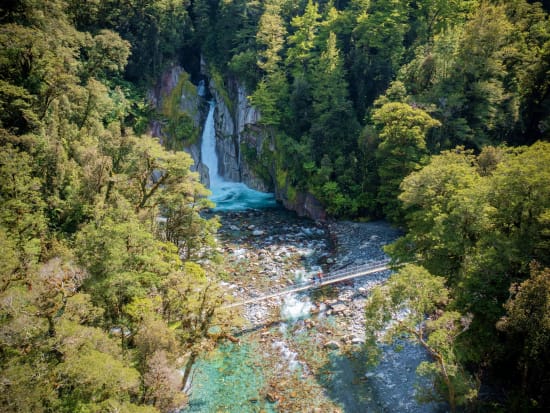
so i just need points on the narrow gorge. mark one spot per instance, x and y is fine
(299, 352)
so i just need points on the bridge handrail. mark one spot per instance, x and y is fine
(339, 273)
(336, 276)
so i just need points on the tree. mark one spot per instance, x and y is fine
(162, 383)
(378, 49)
(443, 222)
(185, 228)
(333, 117)
(192, 301)
(301, 49)
(270, 97)
(22, 213)
(411, 305)
(270, 37)
(483, 72)
(89, 377)
(333, 132)
(431, 17)
(527, 323)
(402, 149)
(106, 52)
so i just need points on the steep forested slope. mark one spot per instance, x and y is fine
(320, 72)
(96, 303)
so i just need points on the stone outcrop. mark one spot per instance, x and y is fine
(189, 102)
(305, 205)
(234, 119)
(237, 125)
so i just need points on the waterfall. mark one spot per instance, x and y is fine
(228, 196)
(208, 146)
(201, 90)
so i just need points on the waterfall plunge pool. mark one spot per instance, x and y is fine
(228, 196)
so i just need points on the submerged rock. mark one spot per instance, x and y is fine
(332, 345)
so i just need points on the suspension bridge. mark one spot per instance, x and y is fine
(326, 279)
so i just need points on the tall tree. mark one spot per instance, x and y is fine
(410, 305)
(378, 50)
(402, 149)
(302, 41)
(527, 322)
(270, 37)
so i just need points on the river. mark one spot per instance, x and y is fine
(302, 353)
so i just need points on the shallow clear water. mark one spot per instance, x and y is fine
(237, 379)
(295, 307)
(229, 381)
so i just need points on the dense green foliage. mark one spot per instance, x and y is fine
(99, 227)
(480, 225)
(403, 109)
(400, 306)
(316, 70)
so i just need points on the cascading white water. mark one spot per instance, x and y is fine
(201, 89)
(208, 146)
(228, 196)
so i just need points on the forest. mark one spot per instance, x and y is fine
(431, 114)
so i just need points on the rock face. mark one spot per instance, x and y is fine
(237, 125)
(305, 205)
(234, 121)
(189, 102)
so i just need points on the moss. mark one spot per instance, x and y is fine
(217, 78)
(259, 163)
(291, 193)
(249, 154)
(280, 177)
(180, 126)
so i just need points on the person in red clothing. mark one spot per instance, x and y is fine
(320, 276)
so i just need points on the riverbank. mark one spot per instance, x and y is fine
(304, 352)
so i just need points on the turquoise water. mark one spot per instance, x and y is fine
(236, 196)
(229, 381)
(228, 196)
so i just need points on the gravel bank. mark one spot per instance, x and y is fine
(314, 361)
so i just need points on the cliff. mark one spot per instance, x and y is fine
(244, 147)
(181, 111)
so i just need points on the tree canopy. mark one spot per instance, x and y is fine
(99, 225)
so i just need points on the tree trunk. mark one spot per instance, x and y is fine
(188, 368)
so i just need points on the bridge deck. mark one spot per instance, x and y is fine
(330, 278)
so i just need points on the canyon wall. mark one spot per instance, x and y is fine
(241, 140)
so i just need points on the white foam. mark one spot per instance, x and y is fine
(293, 308)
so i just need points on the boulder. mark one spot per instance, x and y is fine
(357, 341)
(339, 308)
(332, 345)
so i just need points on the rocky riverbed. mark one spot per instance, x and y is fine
(307, 348)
